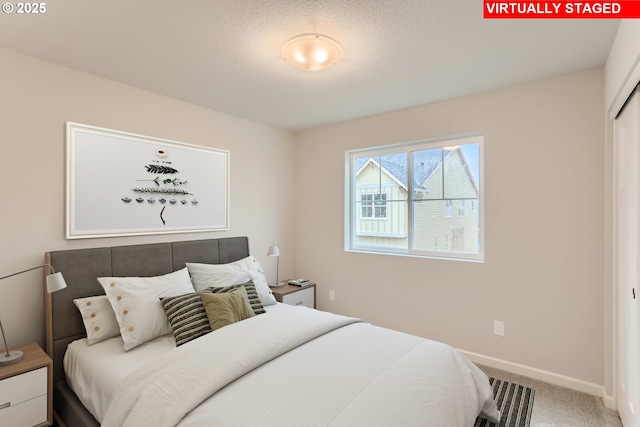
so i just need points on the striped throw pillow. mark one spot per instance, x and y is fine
(187, 317)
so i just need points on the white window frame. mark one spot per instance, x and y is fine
(367, 206)
(373, 206)
(351, 214)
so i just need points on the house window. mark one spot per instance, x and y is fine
(373, 205)
(448, 208)
(410, 198)
(461, 205)
(366, 207)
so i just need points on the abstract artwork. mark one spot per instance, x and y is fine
(121, 184)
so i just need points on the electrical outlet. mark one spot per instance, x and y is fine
(332, 295)
(498, 328)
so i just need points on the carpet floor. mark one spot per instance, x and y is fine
(556, 406)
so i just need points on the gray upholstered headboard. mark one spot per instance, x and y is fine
(81, 268)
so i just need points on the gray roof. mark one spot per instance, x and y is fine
(424, 163)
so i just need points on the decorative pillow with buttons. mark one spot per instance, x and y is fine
(98, 317)
(137, 307)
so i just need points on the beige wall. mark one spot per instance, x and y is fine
(543, 274)
(544, 228)
(37, 98)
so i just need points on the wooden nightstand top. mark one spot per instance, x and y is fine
(34, 358)
(287, 288)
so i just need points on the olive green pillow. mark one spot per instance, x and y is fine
(227, 308)
(252, 293)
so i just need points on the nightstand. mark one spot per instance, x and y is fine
(25, 389)
(296, 295)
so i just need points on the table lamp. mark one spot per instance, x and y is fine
(55, 282)
(274, 250)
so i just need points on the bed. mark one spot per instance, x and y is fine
(275, 365)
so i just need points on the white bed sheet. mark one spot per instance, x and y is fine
(406, 381)
(94, 372)
(371, 385)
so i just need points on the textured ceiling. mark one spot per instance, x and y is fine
(225, 54)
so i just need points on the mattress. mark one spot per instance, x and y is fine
(269, 370)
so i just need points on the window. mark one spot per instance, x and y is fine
(448, 208)
(419, 199)
(461, 205)
(373, 205)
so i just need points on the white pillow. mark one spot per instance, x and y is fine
(234, 273)
(137, 306)
(98, 318)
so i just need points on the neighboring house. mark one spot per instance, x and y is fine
(446, 200)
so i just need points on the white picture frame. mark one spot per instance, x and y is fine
(124, 184)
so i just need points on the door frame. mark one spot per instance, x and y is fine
(620, 296)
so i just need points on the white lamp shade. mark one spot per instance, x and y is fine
(274, 250)
(55, 282)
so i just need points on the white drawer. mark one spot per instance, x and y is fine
(301, 297)
(23, 399)
(23, 387)
(26, 414)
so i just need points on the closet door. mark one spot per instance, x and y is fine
(626, 143)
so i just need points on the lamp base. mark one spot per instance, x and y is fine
(276, 285)
(12, 357)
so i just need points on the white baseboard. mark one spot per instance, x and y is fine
(546, 376)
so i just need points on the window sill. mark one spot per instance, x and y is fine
(477, 260)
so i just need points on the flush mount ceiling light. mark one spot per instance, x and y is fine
(312, 52)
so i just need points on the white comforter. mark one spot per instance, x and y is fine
(302, 367)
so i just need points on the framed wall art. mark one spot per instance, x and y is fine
(123, 184)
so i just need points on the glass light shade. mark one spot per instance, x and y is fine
(312, 52)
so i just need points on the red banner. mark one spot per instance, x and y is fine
(561, 9)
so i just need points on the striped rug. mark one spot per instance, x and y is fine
(515, 403)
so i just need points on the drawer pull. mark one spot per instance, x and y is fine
(5, 405)
(299, 303)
